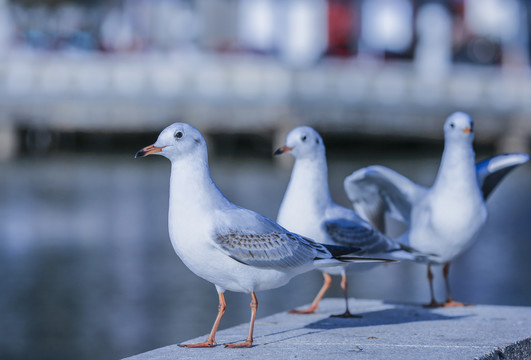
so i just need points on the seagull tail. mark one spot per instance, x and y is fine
(406, 252)
(337, 251)
(357, 259)
(347, 254)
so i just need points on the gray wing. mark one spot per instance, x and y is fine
(377, 190)
(258, 241)
(350, 233)
(274, 250)
(491, 171)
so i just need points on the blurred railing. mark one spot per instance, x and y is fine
(245, 93)
(394, 68)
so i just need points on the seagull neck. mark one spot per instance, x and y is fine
(192, 187)
(457, 165)
(309, 182)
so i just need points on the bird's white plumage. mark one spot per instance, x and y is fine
(308, 209)
(232, 247)
(446, 218)
(508, 160)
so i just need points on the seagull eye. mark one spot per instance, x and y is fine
(178, 134)
(303, 138)
(452, 125)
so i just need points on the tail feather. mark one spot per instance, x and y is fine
(346, 254)
(337, 251)
(406, 252)
(364, 259)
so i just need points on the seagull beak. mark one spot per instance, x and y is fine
(467, 130)
(148, 150)
(282, 150)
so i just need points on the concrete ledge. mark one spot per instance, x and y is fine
(519, 350)
(386, 331)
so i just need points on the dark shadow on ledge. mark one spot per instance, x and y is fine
(397, 315)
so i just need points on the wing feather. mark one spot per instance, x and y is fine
(349, 233)
(277, 250)
(491, 171)
(376, 190)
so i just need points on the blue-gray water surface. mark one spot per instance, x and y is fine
(87, 270)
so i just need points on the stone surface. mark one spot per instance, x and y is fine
(386, 331)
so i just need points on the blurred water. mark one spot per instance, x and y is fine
(87, 269)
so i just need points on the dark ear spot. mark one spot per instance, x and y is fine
(317, 141)
(197, 141)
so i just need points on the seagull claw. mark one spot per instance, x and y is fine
(347, 315)
(245, 344)
(309, 310)
(205, 344)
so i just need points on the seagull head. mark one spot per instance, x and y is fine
(177, 141)
(303, 142)
(459, 125)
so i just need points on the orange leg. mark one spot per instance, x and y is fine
(315, 303)
(211, 341)
(344, 286)
(449, 301)
(432, 303)
(249, 342)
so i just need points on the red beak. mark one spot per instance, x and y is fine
(148, 150)
(282, 150)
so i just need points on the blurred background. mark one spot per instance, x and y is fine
(86, 266)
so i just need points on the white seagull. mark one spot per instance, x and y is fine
(445, 219)
(234, 248)
(308, 209)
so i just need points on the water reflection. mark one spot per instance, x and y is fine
(88, 271)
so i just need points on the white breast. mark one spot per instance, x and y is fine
(446, 225)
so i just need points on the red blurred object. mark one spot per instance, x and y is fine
(341, 22)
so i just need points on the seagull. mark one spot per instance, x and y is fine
(308, 209)
(446, 218)
(234, 248)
